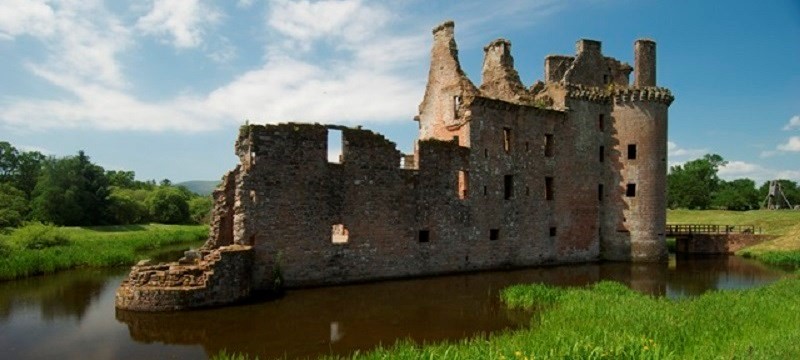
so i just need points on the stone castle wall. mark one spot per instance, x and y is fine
(501, 176)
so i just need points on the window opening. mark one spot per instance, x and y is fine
(507, 139)
(601, 122)
(486, 153)
(456, 105)
(494, 234)
(602, 153)
(339, 234)
(335, 146)
(630, 191)
(631, 151)
(424, 236)
(508, 182)
(463, 184)
(548, 145)
(485, 190)
(552, 231)
(548, 188)
(600, 192)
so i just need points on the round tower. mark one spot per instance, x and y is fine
(636, 224)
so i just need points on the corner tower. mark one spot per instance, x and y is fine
(635, 219)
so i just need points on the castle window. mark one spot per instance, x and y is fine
(335, 146)
(508, 181)
(455, 139)
(485, 190)
(486, 153)
(631, 151)
(463, 184)
(424, 236)
(605, 79)
(339, 234)
(630, 191)
(548, 188)
(552, 231)
(600, 192)
(548, 145)
(527, 146)
(602, 153)
(507, 139)
(456, 105)
(527, 190)
(494, 234)
(601, 122)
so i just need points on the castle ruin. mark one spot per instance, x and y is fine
(571, 169)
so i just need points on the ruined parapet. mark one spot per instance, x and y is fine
(555, 66)
(619, 73)
(221, 228)
(222, 276)
(644, 51)
(499, 78)
(589, 67)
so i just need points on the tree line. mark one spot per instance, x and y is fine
(696, 185)
(73, 191)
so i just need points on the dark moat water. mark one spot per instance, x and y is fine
(71, 315)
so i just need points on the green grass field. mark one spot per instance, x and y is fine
(39, 249)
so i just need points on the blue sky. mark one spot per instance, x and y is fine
(160, 87)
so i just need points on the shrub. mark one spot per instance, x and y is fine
(37, 236)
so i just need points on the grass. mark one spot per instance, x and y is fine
(610, 321)
(782, 251)
(41, 249)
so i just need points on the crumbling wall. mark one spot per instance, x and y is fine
(221, 276)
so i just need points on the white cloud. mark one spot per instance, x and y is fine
(341, 22)
(25, 17)
(183, 20)
(793, 144)
(794, 123)
(673, 150)
(758, 173)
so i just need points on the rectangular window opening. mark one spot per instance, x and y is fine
(508, 182)
(463, 184)
(602, 153)
(600, 192)
(630, 191)
(494, 234)
(548, 145)
(485, 190)
(456, 105)
(507, 139)
(486, 153)
(552, 231)
(424, 236)
(335, 146)
(601, 122)
(527, 191)
(631, 151)
(339, 234)
(548, 188)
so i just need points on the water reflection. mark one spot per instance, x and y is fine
(72, 315)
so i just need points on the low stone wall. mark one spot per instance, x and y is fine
(220, 276)
(717, 243)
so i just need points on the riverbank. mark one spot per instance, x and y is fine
(39, 249)
(782, 251)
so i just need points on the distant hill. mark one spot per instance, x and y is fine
(200, 187)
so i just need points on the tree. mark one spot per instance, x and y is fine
(739, 194)
(8, 161)
(29, 167)
(200, 209)
(13, 206)
(125, 209)
(693, 184)
(71, 191)
(168, 205)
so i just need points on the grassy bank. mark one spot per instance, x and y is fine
(610, 321)
(782, 251)
(39, 249)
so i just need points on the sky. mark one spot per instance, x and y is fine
(160, 87)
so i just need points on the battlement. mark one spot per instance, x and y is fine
(651, 94)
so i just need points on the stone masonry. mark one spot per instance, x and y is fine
(570, 169)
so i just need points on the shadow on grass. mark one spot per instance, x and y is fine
(115, 228)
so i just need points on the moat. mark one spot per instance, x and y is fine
(71, 315)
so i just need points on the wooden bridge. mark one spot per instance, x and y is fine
(690, 229)
(713, 238)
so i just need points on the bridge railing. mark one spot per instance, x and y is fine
(688, 229)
